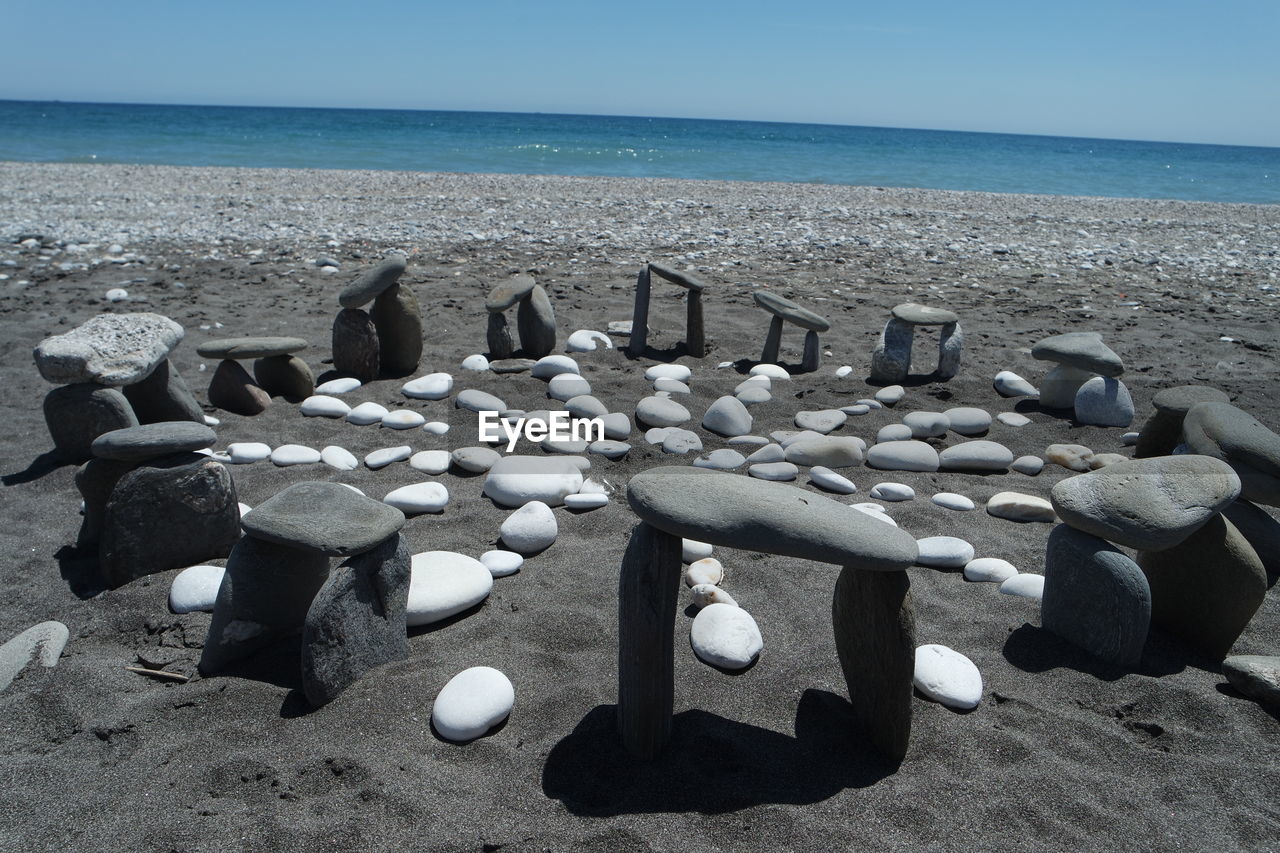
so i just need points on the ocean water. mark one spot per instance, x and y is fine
(535, 143)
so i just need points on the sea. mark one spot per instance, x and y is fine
(633, 146)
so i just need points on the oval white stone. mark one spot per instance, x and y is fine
(433, 386)
(245, 452)
(339, 457)
(501, 563)
(950, 500)
(589, 501)
(435, 427)
(475, 362)
(892, 492)
(946, 676)
(891, 395)
(773, 371)
(989, 570)
(474, 701)
(341, 385)
(706, 593)
(442, 583)
(943, 552)
(418, 498)
(384, 457)
(1024, 585)
(324, 406)
(294, 454)
(586, 340)
(1016, 506)
(403, 419)
(692, 550)
(678, 372)
(430, 461)
(706, 570)
(725, 636)
(367, 413)
(553, 365)
(530, 529)
(831, 481)
(1013, 419)
(195, 588)
(843, 371)
(566, 386)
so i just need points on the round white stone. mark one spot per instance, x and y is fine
(967, 420)
(679, 372)
(367, 413)
(768, 453)
(671, 386)
(950, 500)
(1029, 465)
(707, 570)
(553, 365)
(530, 529)
(1009, 384)
(403, 419)
(843, 371)
(117, 294)
(195, 588)
(474, 701)
(1025, 586)
(725, 636)
(475, 362)
(341, 385)
(903, 456)
(501, 563)
(705, 594)
(418, 498)
(384, 457)
(585, 501)
(435, 427)
(515, 480)
(691, 550)
(893, 432)
(339, 457)
(443, 583)
(781, 472)
(430, 461)
(433, 386)
(324, 406)
(989, 570)
(245, 452)
(566, 386)
(1013, 419)
(1016, 506)
(946, 676)
(773, 371)
(891, 395)
(825, 478)
(892, 492)
(943, 552)
(294, 454)
(586, 340)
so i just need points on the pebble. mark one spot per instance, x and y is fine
(367, 413)
(324, 406)
(1013, 419)
(474, 400)
(501, 563)
(585, 502)
(473, 702)
(1256, 676)
(776, 471)
(430, 461)
(892, 492)
(747, 441)
(476, 361)
(691, 550)
(950, 500)
(586, 340)
(989, 570)
(826, 451)
(553, 365)
(566, 386)
(870, 403)
(893, 432)
(435, 427)
(341, 385)
(671, 386)
(530, 529)
(825, 478)
(980, 455)
(727, 416)
(725, 636)
(706, 570)
(477, 460)
(657, 434)
(705, 594)
(754, 395)
(1029, 465)
(1015, 506)
(891, 395)
(417, 498)
(724, 459)
(403, 419)
(617, 426)
(967, 420)
(609, 449)
(946, 676)
(681, 441)
(117, 294)
(903, 456)
(1024, 585)
(47, 639)
(1009, 384)
(1129, 439)
(339, 458)
(384, 457)
(768, 453)
(927, 424)
(753, 382)
(678, 372)
(843, 371)
(245, 452)
(772, 371)
(1103, 401)
(661, 412)
(195, 589)
(1073, 457)
(433, 386)
(856, 409)
(821, 421)
(294, 454)
(943, 552)
(443, 584)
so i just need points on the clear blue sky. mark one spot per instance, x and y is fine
(1203, 71)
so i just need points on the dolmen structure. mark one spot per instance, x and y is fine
(151, 503)
(535, 318)
(891, 359)
(784, 309)
(872, 615)
(386, 338)
(114, 372)
(694, 330)
(1162, 433)
(278, 585)
(1083, 379)
(276, 372)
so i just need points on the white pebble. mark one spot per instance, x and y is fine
(433, 386)
(245, 452)
(1029, 465)
(501, 563)
(586, 340)
(341, 385)
(843, 371)
(989, 570)
(946, 676)
(435, 427)
(530, 529)
(418, 498)
(707, 570)
(294, 454)
(706, 593)
(588, 501)
(692, 550)
(195, 588)
(553, 365)
(117, 294)
(831, 481)
(403, 419)
(950, 500)
(475, 362)
(1024, 585)
(891, 395)
(1013, 419)
(773, 371)
(943, 552)
(892, 492)
(668, 371)
(725, 636)
(366, 414)
(339, 457)
(384, 457)
(430, 461)
(443, 584)
(473, 702)
(324, 406)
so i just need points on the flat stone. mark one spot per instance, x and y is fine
(705, 594)
(948, 677)
(662, 412)
(1179, 400)
(943, 552)
(530, 529)
(433, 386)
(586, 406)
(1009, 384)
(678, 372)
(754, 441)
(477, 401)
(1103, 401)
(989, 570)
(893, 432)
(617, 426)
(509, 293)
(553, 365)
(418, 498)
(586, 340)
(725, 636)
(324, 518)
(740, 512)
(1081, 350)
(44, 642)
(822, 420)
(294, 454)
(195, 588)
(324, 406)
(403, 419)
(791, 312)
(372, 282)
(724, 459)
(471, 703)
(511, 365)
(892, 492)
(341, 385)
(856, 409)
(431, 461)
(339, 458)
(244, 348)
(979, 456)
(443, 584)
(1029, 465)
(247, 452)
(967, 420)
(501, 563)
(586, 502)
(828, 451)
(367, 414)
(777, 471)
(683, 279)
(516, 480)
(927, 424)
(768, 453)
(890, 395)
(609, 449)
(1073, 457)
(1013, 419)
(903, 456)
(566, 386)
(754, 395)
(1224, 432)
(108, 349)
(1148, 504)
(1015, 506)
(1024, 585)
(951, 500)
(825, 478)
(681, 441)
(151, 441)
(1256, 676)
(704, 571)
(671, 386)
(771, 371)
(923, 315)
(1095, 597)
(385, 456)
(477, 460)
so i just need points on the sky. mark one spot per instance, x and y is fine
(1178, 70)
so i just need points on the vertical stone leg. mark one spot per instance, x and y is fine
(1059, 386)
(396, 316)
(640, 314)
(96, 479)
(812, 352)
(874, 623)
(356, 351)
(647, 594)
(1159, 436)
(233, 389)
(536, 323)
(694, 335)
(891, 359)
(285, 375)
(772, 342)
(950, 343)
(499, 336)
(163, 396)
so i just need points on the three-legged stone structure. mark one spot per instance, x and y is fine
(784, 309)
(891, 360)
(535, 318)
(872, 613)
(694, 332)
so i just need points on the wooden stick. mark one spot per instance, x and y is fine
(159, 673)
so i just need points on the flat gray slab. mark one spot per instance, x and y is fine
(676, 277)
(110, 349)
(372, 282)
(923, 315)
(327, 518)
(1082, 350)
(151, 441)
(782, 307)
(261, 347)
(509, 293)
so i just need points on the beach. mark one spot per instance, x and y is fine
(1062, 752)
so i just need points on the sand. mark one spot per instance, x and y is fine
(1063, 752)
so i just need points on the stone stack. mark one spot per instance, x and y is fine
(153, 504)
(388, 337)
(276, 372)
(695, 334)
(891, 359)
(278, 584)
(1084, 379)
(1196, 576)
(535, 318)
(1162, 432)
(114, 373)
(784, 309)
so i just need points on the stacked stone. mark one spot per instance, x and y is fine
(891, 359)
(1196, 576)
(784, 309)
(535, 318)
(276, 372)
(278, 585)
(1162, 432)
(872, 613)
(114, 373)
(153, 504)
(1084, 379)
(388, 337)
(695, 334)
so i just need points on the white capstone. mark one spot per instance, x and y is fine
(195, 588)
(501, 563)
(339, 457)
(324, 406)
(989, 570)
(946, 676)
(433, 386)
(473, 702)
(725, 636)
(444, 583)
(943, 552)
(530, 529)
(418, 498)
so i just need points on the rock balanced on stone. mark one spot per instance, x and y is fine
(872, 612)
(694, 331)
(891, 359)
(277, 370)
(152, 504)
(278, 584)
(784, 309)
(114, 373)
(388, 337)
(1084, 379)
(535, 318)
(1162, 432)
